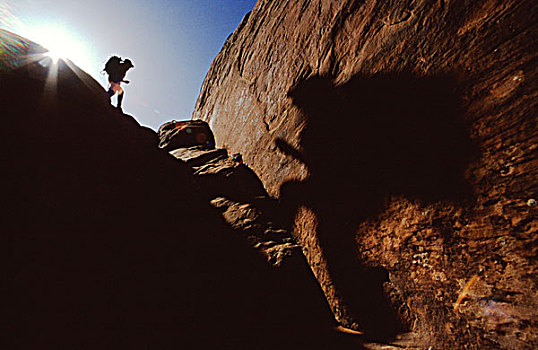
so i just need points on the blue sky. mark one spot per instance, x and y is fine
(171, 43)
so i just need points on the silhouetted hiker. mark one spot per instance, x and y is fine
(116, 70)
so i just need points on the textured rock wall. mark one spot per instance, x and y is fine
(400, 137)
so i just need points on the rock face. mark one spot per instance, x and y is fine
(106, 242)
(400, 138)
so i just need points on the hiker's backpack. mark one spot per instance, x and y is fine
(112, 65)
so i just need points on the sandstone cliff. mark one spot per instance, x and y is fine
(400, 138)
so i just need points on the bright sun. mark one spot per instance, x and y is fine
(61, 44)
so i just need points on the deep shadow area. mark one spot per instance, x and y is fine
(108, 246)
(365, 140)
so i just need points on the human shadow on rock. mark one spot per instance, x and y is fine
(366, 140)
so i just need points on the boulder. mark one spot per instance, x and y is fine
(189, 133)
(217, 174)
(226, 177)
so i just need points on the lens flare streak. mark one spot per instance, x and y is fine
(13, 52)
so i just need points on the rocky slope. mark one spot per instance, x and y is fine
(400, 138)
(110, 242)
(232, 188)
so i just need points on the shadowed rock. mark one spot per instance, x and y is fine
(108, 245)
(415, 146)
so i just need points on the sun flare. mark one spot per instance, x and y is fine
(61, 44)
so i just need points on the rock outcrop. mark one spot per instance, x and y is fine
(217, 174)
(238, 194)
(181, 134)
(108, 244)
(400, 138)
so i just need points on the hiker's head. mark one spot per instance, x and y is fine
(128, 63)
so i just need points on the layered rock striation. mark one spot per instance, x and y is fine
(400, 138)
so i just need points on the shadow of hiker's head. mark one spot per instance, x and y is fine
(385, 134)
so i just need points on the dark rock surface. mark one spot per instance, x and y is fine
(224, 176)
(237, 192)
(400, 138)
(106, 243)
(274, 241)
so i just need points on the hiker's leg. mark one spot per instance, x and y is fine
(120, 97)
(113, 88)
